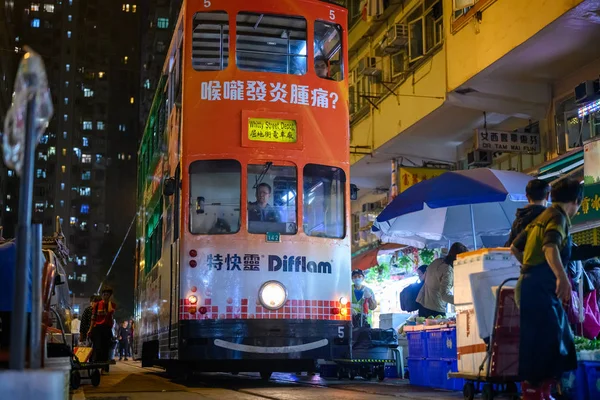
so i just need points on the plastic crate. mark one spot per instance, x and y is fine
(437, 371)
(575, 383)
(441, 344)
(417, 372)
(592, 372)
(417, 344)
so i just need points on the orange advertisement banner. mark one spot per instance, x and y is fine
(410, 176)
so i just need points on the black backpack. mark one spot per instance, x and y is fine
(408, 297)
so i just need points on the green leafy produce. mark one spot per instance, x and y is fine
(586, 344)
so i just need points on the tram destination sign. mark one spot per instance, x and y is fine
(507, 142)
(272, 130)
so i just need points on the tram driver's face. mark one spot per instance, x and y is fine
(263, 195)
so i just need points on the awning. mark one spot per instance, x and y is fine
(565, 165)
(368, 259)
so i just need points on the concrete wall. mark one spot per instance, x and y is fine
(505, 25)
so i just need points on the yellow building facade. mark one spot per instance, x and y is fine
(425, 74)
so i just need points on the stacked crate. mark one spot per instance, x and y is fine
(432, 356)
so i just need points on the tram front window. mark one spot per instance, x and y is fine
(328, 51)
(215, 197)
(272, 198)
(271, 43)
(324, 201)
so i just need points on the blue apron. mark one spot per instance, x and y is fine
(547, 349)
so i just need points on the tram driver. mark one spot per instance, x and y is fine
(261, 210)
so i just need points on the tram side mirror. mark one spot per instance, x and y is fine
(353, 192)
(169, 187)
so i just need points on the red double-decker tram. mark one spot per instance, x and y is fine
(243, 193)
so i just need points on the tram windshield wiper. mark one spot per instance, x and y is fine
(259, 179)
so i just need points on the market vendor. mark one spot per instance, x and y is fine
(363, 300)
(547, 349)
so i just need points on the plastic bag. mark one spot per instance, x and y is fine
(31, 82)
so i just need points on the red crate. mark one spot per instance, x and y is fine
(505, 349)
(508, 313)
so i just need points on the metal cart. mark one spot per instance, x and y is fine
(490, 385)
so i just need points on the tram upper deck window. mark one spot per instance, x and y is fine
(215, 188)
(328, 51)
(210, 41)
(324, 201)
(272, 199)
(271, 43)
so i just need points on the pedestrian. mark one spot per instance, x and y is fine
(436, 293)
(592, 268)
(86, 320)
(537, 192)
(102, 322)
(75, 325)
(114, 344)
(363, 300)
(544, 248)
(124, 334)
(130, 349)
(408, 296)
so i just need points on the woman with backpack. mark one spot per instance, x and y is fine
(408, 296)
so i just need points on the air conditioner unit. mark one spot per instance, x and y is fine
(397, 38)
(587, 91)
(479, 158)
(368, 66)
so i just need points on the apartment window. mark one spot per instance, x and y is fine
(88, 92)
(122, 127)
(271, 43)
(86, 158)
(425, 29)
(35, 23)
(11, 172)
(40, 173)
(35, 6)
(87, 125)
(86, 175)
(68, 34)
(66, 101)
(77, 152)
(210, 41)
(70, 2)
(70, 18)
(68, 67)
(85, 142)
(147, 84)
(62, 186)
(49, 8)
(85, 191)
(125, 60)
(100, 125)
(98, 158)
(66, 84)
(65, 135)
(162, 23)
(85, 209)
(52, 151)
(64, 152)
(126, 7)
(39, 207)
(133, 8)
(132, 100)
(65, 117)
(62, 203)
(73, 221)
(101, 75)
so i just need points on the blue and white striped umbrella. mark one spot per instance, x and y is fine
(457, 206)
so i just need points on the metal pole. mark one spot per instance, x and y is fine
(473, 227)
(23, 265)
(35, 346)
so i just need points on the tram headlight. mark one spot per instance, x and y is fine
(343, 301)
(193, 300)
(272, 295)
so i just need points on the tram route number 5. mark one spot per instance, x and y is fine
(341, 332)
(331, 14)
(207, 3)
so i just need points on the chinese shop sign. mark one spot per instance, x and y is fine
(410, 176)
(507, 142)
(590, 206)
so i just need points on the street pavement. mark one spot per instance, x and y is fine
(128, 381)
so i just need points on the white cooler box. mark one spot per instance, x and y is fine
(392, 321)
(478, 261)
(471, 348)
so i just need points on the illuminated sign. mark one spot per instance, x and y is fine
(589, 109)
(410, 176)
(272, 130)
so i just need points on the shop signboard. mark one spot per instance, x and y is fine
(507, 142)
(590, 207)
(410, 176)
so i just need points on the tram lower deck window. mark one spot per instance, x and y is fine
(215, 197)
(324, 205)
(271, 43)
(210, 41)
(272, 196)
